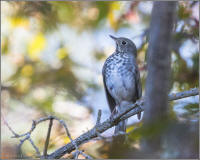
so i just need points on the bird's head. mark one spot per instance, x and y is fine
(124, 45)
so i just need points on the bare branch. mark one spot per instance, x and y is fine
(94, 132)
(130, 111)
(23, 140)
(34, 124)
(6, 123)
(47, 139)
(85, 155)
(97, 123)
(184, 94)
(98, 118)
(35, 147)
(110, 138)
(27, 137)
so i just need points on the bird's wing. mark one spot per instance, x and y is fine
(138, 87)
(110, 99)
(138, 83)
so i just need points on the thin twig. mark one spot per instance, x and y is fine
(98, 117)
(85, 155)
(35, 147)
(48, 136)
(23, 140)
(27, 137)
(69, 135)
(97, 123)
(6, 123)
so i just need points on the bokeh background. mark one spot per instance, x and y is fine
(52, 55)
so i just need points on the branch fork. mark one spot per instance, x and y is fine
(93, 133)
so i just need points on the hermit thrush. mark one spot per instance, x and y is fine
(121, 78)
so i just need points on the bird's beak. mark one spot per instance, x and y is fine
(114, 38)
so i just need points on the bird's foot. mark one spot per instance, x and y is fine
(113, 114)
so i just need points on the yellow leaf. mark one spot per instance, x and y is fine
(23, 85)
(66, 140)
(61, 53)
(19, 21)
(27, 70)
(115, 6)
(130, 128)
(36, 45)
(111, 15)
(112, 19)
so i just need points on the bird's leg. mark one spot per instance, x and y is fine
(140, 113)
(113, 113)
(121, 109)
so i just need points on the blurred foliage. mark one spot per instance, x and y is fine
(36, 82)
(192, 110)
(87, 15)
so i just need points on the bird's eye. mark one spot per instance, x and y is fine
(123, 42)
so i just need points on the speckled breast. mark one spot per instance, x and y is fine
(119, 76)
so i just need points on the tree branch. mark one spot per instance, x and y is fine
(94, 132)
(27, 136)
(130, 111)
(184, 94)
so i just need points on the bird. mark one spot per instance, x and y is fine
(121, 79)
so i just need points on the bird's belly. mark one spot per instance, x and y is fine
(121, 87)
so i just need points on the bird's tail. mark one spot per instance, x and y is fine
(139, 116)
(120, 138)
(121, 127)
